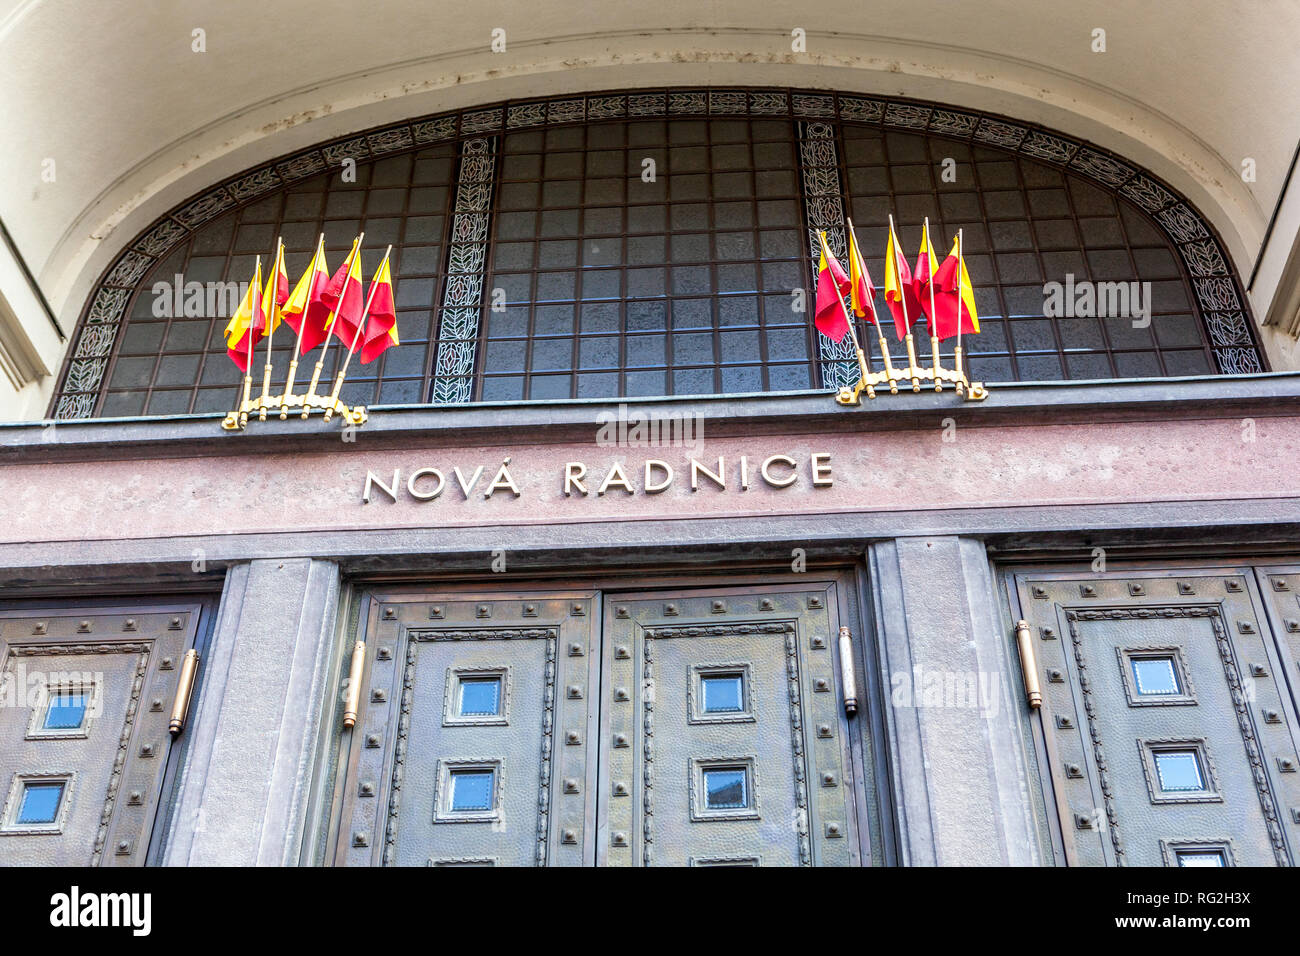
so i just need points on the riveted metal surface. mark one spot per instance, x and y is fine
(112, 764)
(418, 736)
(1221, 714)
(601, 746)
(782, 736)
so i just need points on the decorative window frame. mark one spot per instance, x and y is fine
(442, 812)
(1125, 656)
(695, 674)
(700, 812)
(9, 825)
(451, 696)
(726, 861)
(35, 728)
(1221, 303)
(1169, 849)
(463, 861)
(1147, 749)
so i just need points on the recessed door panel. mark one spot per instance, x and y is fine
(470, 748)
(1167, 731)
(723, 740)
(1281, 590)
(87, 695)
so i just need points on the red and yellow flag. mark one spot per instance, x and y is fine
(832, 283)
(900, 294)
(862, 293)
(343, 297)
(275, 293)
(923, 276)
(381, 321)
(304, 304)
(246, 325)
(951, 277)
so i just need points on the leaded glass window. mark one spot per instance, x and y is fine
(664, 254)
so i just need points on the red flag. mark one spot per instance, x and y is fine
(832, 283)
(304, 304)
(923, 276)
(899, 289)
(248, 324)
(343, 297)
(381, 323)
(947, 278)
(862, 293)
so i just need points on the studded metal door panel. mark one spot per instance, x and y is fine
(723, 740)
(1169, 739)
(470, 745)
(85, 700)
(1281, 589)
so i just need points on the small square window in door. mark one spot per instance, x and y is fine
(468, 791)
(720, 694)
(1178, 771)
(723, 788)
(37, 803)
(1197, 853)
(476, 697)
(1155, 676)
(66, 714)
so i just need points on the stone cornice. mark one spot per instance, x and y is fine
(537, 423)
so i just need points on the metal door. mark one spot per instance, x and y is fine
(515, 730)
(1168, 734)
(723, 739)
(470, 747)
(1281, 589)
(86, 697)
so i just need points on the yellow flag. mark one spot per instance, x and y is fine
(297, 300)
(967, 293)
(245, 326)
(276, 291)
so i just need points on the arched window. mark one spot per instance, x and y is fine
(658, 243)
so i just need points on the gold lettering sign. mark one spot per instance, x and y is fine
(618, 479)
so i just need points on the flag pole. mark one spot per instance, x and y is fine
(361, 324)
(248, 371)
(270, 327)
(956, 357)
(329, 337)
(934, 321)
(880, 336)
(848, 320)
(302, 325)
(902, 298)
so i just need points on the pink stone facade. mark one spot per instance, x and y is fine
(1031, 466)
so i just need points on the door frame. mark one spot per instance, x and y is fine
(867, 737)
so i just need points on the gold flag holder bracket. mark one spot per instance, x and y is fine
(262, 407)
(909, 378)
